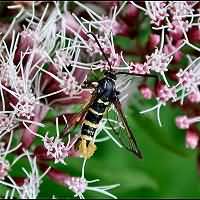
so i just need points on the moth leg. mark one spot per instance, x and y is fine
(86, 147)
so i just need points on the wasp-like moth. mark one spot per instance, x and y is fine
(105, 94)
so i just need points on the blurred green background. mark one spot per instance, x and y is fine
(167, 170)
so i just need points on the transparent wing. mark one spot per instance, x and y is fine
(125, 137)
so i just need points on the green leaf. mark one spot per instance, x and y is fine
(144, 31)
(124, 42)
(148, 124)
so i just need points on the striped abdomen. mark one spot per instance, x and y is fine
(93, 117)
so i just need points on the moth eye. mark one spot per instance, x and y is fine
(99, 90)
(117, 93)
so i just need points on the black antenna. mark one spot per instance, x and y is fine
(94, 36)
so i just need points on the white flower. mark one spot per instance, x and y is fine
(4, 168)
(157, 11)
(89, 45)
(165, 94)
(19, 86)
(5, 165)
(56, 148)
(188, 79)
(67, 81)
(8, 74)
(7, 123)
(25, 106)
(19, 80)
(31, 187)
(8, 70)
(105, 24)
(180, 9)
(43, 31)
(158, 61)
(80, 185)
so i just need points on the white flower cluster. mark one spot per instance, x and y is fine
(44, 65)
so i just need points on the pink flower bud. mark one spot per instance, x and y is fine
(154, 40)
(175, 31)
(194, 97)
(194, 34)
(129, 13)
(120, 28)
(139, 68)
(182, 122)
(164, 93)
(69, 23)
(146, 91)
(4, 167)
(192, 139)
(186, 79)
(26, 42)
(169, 48)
